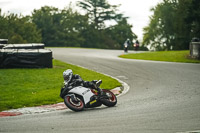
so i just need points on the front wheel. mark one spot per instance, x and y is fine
(77, 105)
(111, 99)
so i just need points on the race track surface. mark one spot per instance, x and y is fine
(163, 98)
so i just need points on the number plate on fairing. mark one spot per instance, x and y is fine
(86, 93)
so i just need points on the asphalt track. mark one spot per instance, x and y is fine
(163, 98)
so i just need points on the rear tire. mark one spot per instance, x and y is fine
(75, 106)
(111, 100)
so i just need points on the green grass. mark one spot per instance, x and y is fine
(169, 56)
(34, 87)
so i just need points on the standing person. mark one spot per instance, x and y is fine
(126, 44)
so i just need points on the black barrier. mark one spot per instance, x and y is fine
(1, 46)
(3, 41)
(24, 46)
(25, 58)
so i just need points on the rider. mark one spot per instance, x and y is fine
(126, 44)
(71, 81)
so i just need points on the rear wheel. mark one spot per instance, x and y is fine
(77, 105)
(111, 99)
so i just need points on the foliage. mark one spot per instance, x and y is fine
(120, 31)
(18, 29)
(173, 25)
(99, 11)
(34, 87)
(169, 56)
(68, 28)
(60, 27)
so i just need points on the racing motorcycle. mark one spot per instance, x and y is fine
(126, 48)
(80, 97)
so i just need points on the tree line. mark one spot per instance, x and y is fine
(173, 25)
(68, 27)
(18, 29)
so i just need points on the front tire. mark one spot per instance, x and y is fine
(111, 100)
(75, 106)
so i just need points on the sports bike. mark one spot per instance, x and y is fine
(79, 98)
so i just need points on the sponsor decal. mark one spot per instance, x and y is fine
(85, 92)
(93, 101)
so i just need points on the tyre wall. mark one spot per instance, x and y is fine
(25, 58)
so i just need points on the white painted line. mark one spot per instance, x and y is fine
(125, 85)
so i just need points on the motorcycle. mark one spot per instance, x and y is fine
(126, 49)
(136, 46)
(80, 97)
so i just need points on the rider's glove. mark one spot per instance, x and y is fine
(92, 85)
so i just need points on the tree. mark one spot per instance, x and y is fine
(44, 20)
(97, 35)
(120, 32)
(192, 16)
(67, 27)
(74, 24)
(160, 34)
(60, 27)
(99, 11)
(18, 29)
(173, 25)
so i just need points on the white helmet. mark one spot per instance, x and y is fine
(67, 75)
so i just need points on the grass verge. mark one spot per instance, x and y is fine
(34, 87)
(169, 56)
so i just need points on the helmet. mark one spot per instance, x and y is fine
(67, 75)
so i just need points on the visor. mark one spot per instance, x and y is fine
(66, 78)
